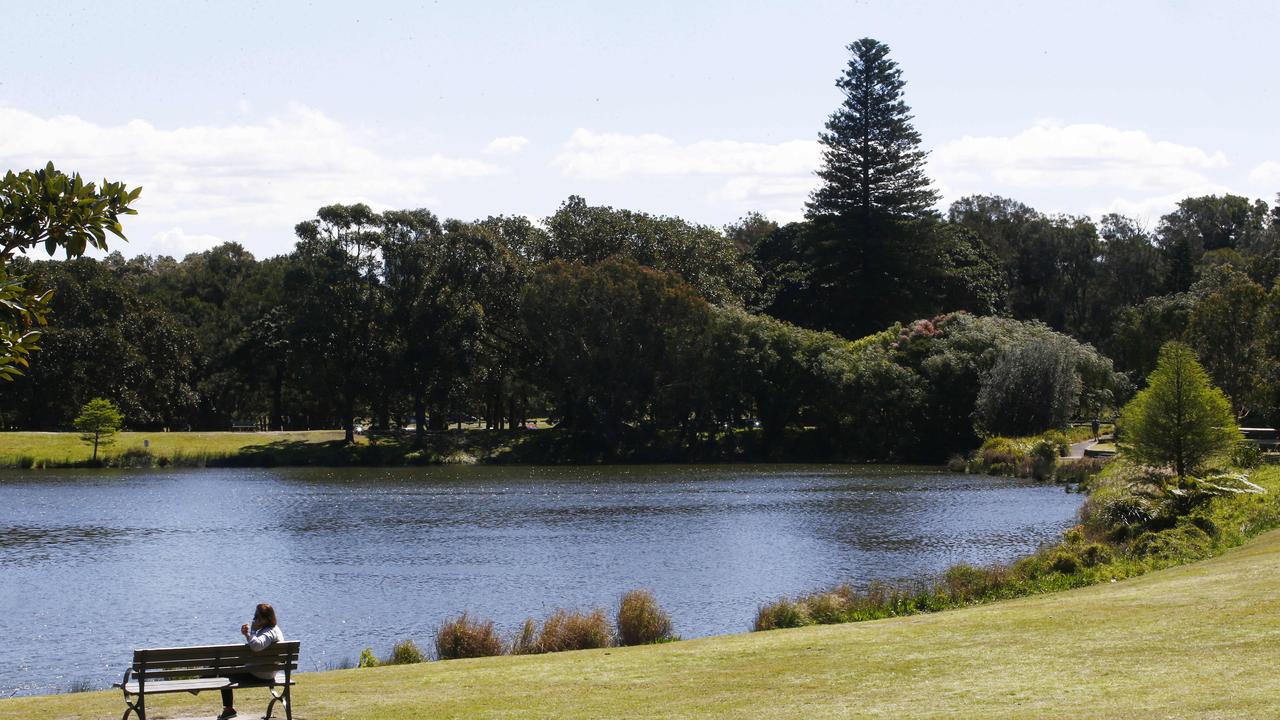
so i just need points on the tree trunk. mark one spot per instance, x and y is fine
(419, 419)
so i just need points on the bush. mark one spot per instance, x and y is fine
(1060, 441)
(783, 613)
(464, 637)
(1004, 456)
(1095, 554)
(525, 642)
(1044, 459)
(575, 630)
(404, 652)
(1246, 455)
(965, 583)
(367, 659)
(1183, 542)
(641, 621)
(1077, 472)
(1064, 562)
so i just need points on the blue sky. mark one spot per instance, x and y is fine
(240, 119)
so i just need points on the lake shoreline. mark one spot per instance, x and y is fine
(26, 450)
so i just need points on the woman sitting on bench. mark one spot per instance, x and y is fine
(263, 633)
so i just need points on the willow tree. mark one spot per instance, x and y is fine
(1180, 420)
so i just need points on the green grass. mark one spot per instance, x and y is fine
(472, 444)
(65, 448)
(1196, 641)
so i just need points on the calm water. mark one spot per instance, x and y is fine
(93, 565)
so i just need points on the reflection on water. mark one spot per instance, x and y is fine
(96, 564)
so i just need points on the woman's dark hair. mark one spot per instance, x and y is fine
(264, 616)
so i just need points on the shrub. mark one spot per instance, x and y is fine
(1246, 455)
(525, 642)
(641, 621)
(404, 652)
(964, 583)
(1004, 456)
(367, 659)
(464, 637)
(575, 630)
(1064, 562)
(783, 613)
(833, 606)
(1095, 554)
(1077, 472)
(134, 458)
(1044, 459)
(1182, 542)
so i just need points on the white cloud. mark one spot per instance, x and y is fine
(177, 243)
(265, 174)
(593, 155)
(1086, 168)
(1083, 155)
(508, 145)
(1266, 176)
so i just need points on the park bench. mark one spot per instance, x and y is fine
(196, 669)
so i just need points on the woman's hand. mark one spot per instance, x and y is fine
(244, 630)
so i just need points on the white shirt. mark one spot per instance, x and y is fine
(264, 638)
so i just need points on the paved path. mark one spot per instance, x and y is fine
(1077, 449)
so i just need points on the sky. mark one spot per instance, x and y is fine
(240, 119)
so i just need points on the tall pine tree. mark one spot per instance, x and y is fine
(874, 250)
(872, 162)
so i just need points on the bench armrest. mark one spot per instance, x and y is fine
(127, 672)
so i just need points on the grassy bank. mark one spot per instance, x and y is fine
(1191, 641)
(325, 448)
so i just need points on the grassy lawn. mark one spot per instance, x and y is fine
(1193, 641)
(61, 447)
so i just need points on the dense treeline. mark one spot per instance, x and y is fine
(891, 329)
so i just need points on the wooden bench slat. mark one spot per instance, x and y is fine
(208, 651)
(171, 686)
(245, 659)
(181, 672)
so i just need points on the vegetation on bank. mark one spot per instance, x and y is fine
(1168, 644)
(638, 620)
(1135, 520)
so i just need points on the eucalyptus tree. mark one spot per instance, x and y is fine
(335, 299)
(434, 285)
(701, 255)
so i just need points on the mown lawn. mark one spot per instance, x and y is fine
(66, 447)
(1196, 641)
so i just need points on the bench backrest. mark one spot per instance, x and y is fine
(214, 661)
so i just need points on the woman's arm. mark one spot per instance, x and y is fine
(260, 639)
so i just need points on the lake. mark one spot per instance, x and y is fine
(96, 563)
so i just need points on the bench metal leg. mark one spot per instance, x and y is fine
(283, 699)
